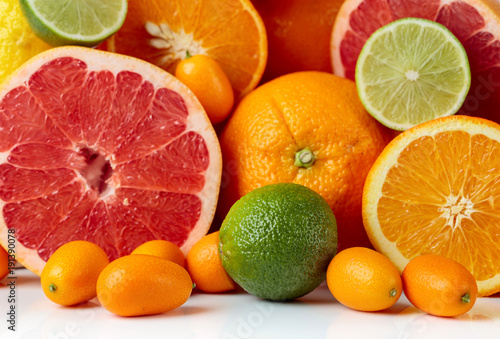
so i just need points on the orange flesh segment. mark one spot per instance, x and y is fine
(229, 32)
(452, 195)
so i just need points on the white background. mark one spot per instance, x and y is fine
(238, 315)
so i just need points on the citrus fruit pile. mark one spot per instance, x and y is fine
(308, 128)
(367, 127)
(79, 271)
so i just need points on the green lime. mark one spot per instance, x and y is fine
(74, 22)
(276, 242)
(412, 71)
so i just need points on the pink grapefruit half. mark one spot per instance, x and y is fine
(105, 148)
(476, 23)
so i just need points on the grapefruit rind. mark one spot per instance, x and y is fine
(197, 121)
(389, 158)
(380, 109)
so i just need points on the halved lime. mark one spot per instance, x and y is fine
(74, 22)
(411, 71)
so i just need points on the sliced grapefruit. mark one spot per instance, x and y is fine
(476, 24)
(435, 189)
(229, 31)
(105, 148)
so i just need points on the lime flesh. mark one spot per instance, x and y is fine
(412, 71)
(74, 22)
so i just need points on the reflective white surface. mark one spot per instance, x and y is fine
(238, 315)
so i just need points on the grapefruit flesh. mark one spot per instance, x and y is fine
(105, 148)
(476, 23)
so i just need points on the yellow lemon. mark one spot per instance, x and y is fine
(18, 43)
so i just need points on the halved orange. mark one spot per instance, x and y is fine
(229, 31)
(435, 189)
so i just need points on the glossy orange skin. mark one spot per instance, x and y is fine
(302, 110)
(299, 34)
(4, 263)
(436, 284)
(163, 249)
(141, 284)
(205, 267)
(209, 83)
(73, 270)
(363, 279)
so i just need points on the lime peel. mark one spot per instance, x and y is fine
(278, 240)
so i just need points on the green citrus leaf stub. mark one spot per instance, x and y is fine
(52, 288)
(304, 158)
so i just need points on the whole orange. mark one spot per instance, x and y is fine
(439, 285)
(206, 79)
(143, 284)
(4, 263)
(308, 128)
(299, 33)
(363, 279)
(205, 266)
(69, 277)
(163, 249)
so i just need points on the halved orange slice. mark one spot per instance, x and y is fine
(436, 189)
(229, 31)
